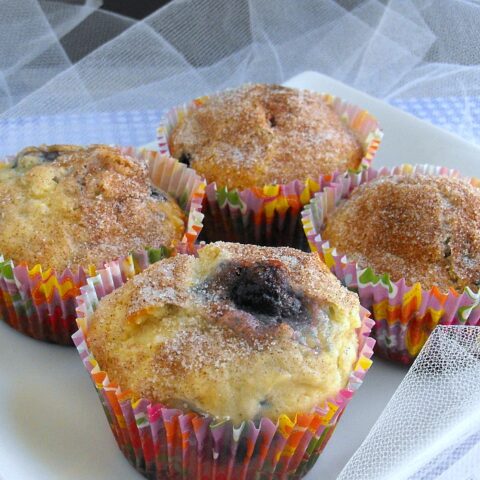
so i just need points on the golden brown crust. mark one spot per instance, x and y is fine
(65, 205)
(179, 332)
(264, 134)
(422, 228)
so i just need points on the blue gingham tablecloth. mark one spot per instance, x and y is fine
(138, 127)
(121, 127)
(460, 115)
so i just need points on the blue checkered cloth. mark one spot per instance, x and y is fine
(459, 115)
(122, 128)
(138, 127)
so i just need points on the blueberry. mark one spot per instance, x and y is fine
(157, 193)
(51, 156)
(32, 156)
(185, 158)
(263, 290)
(447, 250)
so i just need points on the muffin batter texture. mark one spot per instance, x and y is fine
(241, 332)
(66, 205)
(423, 228)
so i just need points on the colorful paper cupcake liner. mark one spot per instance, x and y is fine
(41, 302)
(270, 215)
(404, 315)
(165, 443)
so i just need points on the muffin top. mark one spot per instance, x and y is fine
(240, 332)
(264, 134)
(422, 228)
(65, 205)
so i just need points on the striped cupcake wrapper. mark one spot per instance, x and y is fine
(165, 443)
(404, 315)
(270, 215)
(40, 302)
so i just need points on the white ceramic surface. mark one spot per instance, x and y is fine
(52, 426)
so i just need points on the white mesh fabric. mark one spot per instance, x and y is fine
(30, 51)
(398, 50)
(431, 426)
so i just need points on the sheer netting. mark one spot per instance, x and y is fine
(419, 55)
(431, 426)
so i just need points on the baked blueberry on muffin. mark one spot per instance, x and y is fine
(241, 333)
(261, 134)
(422, 228)
(64, 205)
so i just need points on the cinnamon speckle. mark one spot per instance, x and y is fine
(263, 134)
(173, 334)
(422, 228)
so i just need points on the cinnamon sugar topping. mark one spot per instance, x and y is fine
(418, 227)
(67, 205)
(264, 134)
(177, 333)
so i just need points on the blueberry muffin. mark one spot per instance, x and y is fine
(241, 332)
(66, 205)
(264, 134)
(422, 228)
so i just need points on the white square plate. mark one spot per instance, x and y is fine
(51, 422)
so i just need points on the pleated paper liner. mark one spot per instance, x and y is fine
(270, 215)
(166, 443)
(404, 315)
(40, 302)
